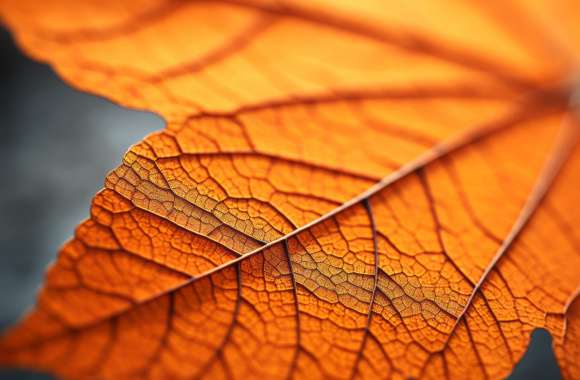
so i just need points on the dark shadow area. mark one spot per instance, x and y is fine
(539, 361)
(8, 374)
(56, 146)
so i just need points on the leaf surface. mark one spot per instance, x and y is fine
(351, 190)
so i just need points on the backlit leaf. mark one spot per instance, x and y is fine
(353, 190)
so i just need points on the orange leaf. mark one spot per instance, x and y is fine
(350, 190)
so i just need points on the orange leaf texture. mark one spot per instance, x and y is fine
(344, 190)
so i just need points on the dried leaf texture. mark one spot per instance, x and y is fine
(343, 191)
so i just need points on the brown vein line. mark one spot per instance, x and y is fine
(413, 42)
(235, 44)
(83, 286)
(475, 134)
(367, 332)
(220, 53)
(391, 367)
(218, 352)
(294, 362)
(232, 154)
(459, 91)
(58, 319)
(174, 223)
(113, 252)
(498, 321)
(132, 25)
(566, 140)
(455, 178)
(163, 342)
(105, 351)
(476, 351)
(424, 181)
(396, 131)
(171, 189)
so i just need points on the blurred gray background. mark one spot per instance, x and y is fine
(56, 146)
